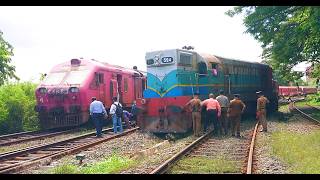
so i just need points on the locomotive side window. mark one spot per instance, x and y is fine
(125, 84)
(185, 60)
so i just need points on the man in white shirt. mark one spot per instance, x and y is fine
(97, 112)
(116, 117)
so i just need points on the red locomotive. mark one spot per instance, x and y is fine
(64, 96)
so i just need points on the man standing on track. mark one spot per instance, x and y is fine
(224, 103)
(261, 110)
(97, 112)
(195, 104)
(236, 108)
(213, 112)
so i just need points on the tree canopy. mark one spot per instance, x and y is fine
(7, 71)
(289, 35)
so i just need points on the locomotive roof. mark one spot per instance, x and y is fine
(241, 61)
(117, 67)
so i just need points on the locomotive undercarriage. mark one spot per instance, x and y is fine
(57, 118)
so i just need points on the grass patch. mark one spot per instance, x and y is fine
(202, 165)
(299, 151)
(111, 165)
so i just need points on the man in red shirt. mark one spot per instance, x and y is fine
(213, 112)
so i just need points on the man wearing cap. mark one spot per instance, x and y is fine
(236, 108)
(97, 112)
(224, 103)
(261, 110)
(213, 112)
(195, 105)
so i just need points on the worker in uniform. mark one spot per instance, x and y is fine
(236, 108)
(97, 112)
(224, 103)
(213, 112)
(195, 105)
(261, 111)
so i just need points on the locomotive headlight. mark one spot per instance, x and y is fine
(42, 90)
(74, 90)
(74, 97)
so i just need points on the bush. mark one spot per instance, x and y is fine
(17, 101)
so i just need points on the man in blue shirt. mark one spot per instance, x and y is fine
(97, 112)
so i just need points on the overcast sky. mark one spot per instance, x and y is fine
(45, 36)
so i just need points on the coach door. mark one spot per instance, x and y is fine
(138, 87)
(113, 88)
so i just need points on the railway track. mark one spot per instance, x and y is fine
(19, 160)
(305, 115)
(206, 146)
(15, 138)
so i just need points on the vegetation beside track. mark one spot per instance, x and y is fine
(17, 101)
(203, 165)
(299, 151)
(113, 164)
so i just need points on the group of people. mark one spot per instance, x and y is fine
(117, 113)
(219, 111)
(222, 113)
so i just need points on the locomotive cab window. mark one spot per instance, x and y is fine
(185, 59)
(99, 79)
(214, 68)
(202, 68)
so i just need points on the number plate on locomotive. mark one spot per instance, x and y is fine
(167, 60)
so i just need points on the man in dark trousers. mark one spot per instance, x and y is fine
(236, 108)
(116, 117)
(213, 113)
(97, 112)
(224, 103)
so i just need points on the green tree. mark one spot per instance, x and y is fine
(288, 35)
(6, 70)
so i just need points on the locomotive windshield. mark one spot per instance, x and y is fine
(65, 77)
(76, 77)
(54, 78)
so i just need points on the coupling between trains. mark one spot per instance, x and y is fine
(173, 76)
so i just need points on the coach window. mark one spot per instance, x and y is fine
(125, 84)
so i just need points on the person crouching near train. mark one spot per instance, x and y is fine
(195, 105)
(126, 117)
(213, 113)
(261, 110)
(116, 113)
(97, 112)
(224, 103)
(235, 110)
